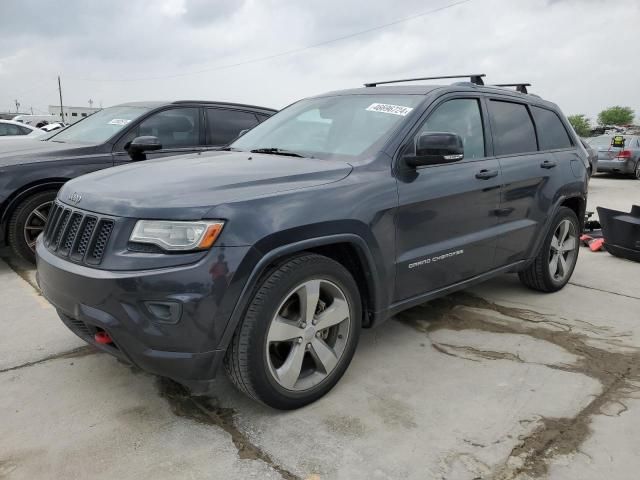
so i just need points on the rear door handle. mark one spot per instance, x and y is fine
(548, 164)
(485, 174)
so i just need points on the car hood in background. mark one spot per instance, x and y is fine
(32, 150)
(186, 187)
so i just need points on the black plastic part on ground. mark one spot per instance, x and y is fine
(621, 232)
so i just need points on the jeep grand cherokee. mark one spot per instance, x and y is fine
(332, 215)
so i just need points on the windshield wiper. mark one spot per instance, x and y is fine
(276, 151)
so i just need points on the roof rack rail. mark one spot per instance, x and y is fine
(520, 87)
(475, 78)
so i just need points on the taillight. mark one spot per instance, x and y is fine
(624, 154)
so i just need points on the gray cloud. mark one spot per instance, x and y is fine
(101, 48)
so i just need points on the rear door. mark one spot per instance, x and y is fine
(531, 173)
(445, 223)
(224, 125)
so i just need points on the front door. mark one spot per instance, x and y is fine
(446, 219)
(178, 129)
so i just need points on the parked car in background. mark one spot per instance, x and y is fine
(32, 172)
(12, 129)
(623, 159)
(333, 215)
(36, 120)
(593, 156)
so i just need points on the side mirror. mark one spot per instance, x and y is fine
(436, 147)
(139, 145)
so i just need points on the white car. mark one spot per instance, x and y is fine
(11, 129)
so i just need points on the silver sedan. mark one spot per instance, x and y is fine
(618, 159)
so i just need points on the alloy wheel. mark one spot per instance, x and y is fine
(563, 254)
(35, 223)
(308, 334)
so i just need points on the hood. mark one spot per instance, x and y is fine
(32, 150)
(186, 187)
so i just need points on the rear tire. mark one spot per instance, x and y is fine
(28, 221)
(554, 264)
(298, 335)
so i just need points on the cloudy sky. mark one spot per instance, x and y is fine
(582, 54)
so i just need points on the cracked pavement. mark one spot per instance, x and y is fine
(497, 382)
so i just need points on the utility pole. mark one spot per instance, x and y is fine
(17, 106)
(60, 91)
(90, 103)
(31, 110)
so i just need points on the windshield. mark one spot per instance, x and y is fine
(341, 126)
(99, 127)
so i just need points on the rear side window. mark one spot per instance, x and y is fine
(513, 130)
(224, 126)
(551, 131)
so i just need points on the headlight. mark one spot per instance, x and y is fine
(177, 235)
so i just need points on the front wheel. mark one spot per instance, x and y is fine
(28, 221)
(298, 335)
(552, 268)
(638, 170)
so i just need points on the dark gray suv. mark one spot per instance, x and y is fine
(332, 215)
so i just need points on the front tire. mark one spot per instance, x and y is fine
(553, 267)
(299, 333)
(28, 221)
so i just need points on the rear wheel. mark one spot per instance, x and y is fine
(28, 221)
(638, 170)
(552, 268)
(299, 333)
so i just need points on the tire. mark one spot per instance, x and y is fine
(28, 221)
(637, 171)
(539, 275)
(264, 351)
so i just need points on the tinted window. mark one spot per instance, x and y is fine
(24, 130)
(551, 131)
(178, 127)
(461, 116)
(223, 126)
(9, 129)
(513, 128)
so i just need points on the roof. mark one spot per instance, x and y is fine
(427, 89)
(157, 104)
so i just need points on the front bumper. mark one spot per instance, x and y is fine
(616, 166)
(184, 345)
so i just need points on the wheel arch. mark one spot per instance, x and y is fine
(350, 250)
(23, 192)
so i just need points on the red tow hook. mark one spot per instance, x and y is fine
(102, 338)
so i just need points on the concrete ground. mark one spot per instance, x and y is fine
(498, 382)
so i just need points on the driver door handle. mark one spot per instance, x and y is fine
(548, 164)
(485, 174)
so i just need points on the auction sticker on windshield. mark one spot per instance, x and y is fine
(392, 109)
(119, 121)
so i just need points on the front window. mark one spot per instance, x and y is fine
(347, 126)
(100, 126)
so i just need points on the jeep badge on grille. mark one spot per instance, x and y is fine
(75, 197)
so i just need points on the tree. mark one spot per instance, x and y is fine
(616, 116)
(581, 124)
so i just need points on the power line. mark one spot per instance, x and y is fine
(286, 52)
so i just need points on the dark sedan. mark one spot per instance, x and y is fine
(32, 172)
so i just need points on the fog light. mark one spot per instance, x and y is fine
(165, 312)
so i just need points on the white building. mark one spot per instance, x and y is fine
(72, 114)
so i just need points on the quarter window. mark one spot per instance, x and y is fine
(513, 128)
(461, 116)
(175, 128)
(224, 126)
(551, 131)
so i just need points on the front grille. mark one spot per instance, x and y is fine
(80, 236)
